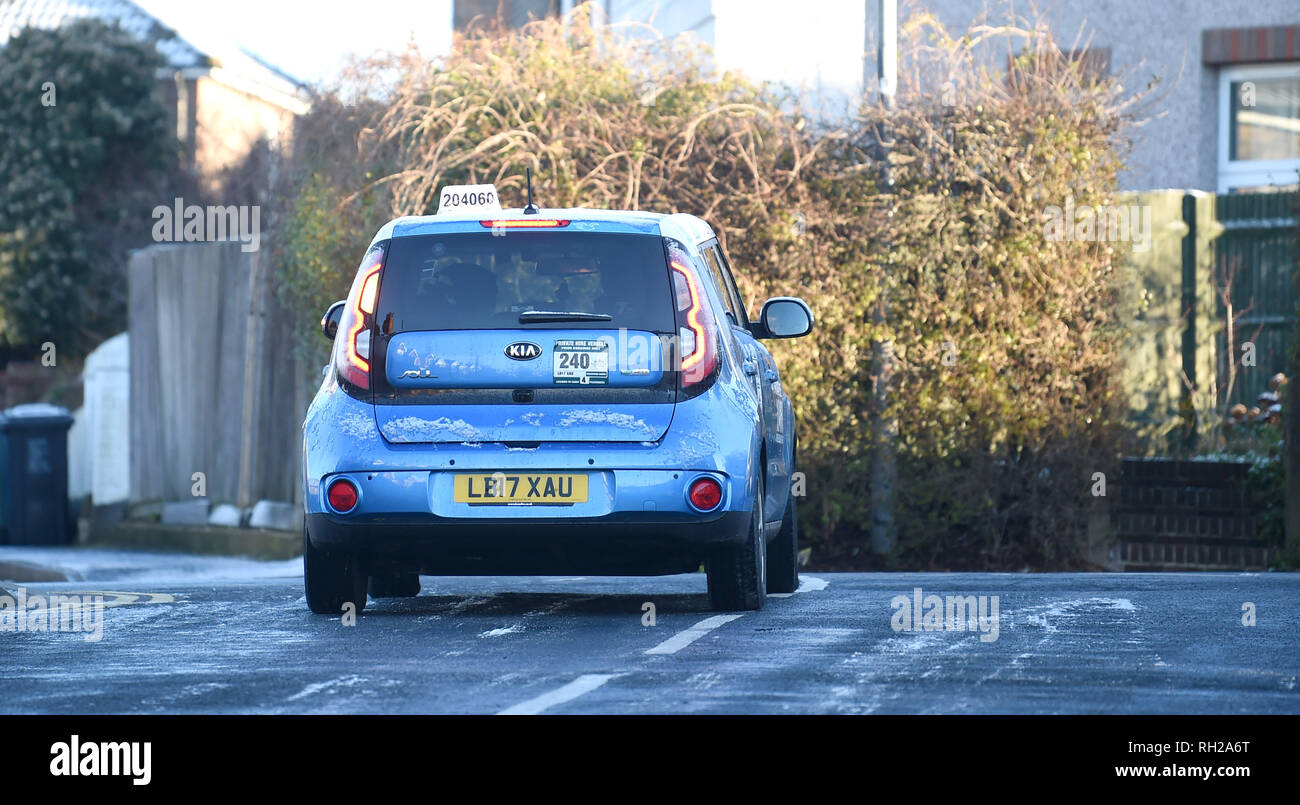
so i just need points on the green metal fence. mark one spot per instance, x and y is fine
(1176, 368)
(1258, 252)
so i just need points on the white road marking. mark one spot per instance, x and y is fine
(331, 685)
(567, 693)
(589, 682)
(685, 637)
(512, 629)
(807, 584)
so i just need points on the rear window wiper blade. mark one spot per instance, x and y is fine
(543, 316)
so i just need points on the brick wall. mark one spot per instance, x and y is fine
(1186, 515)
(28, 381)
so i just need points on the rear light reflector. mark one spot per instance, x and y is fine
(705, 494)
(342, 495)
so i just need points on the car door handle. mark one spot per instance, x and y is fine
(750, 367)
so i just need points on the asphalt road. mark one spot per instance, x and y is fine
(185, 634)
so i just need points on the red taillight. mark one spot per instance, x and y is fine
(524, 223)
(705, 494)
(698, 346)
(342, 495)
(354, 352)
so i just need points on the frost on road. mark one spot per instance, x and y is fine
(228, 635)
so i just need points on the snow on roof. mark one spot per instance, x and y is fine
(19, 14)
(236, 65)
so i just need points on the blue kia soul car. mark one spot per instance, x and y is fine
(561, 391)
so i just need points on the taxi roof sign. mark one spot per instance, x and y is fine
(469, 198)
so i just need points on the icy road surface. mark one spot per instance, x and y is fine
(225, 635)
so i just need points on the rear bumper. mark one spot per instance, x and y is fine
(636, 519)
(637, 543)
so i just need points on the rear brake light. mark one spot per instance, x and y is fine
(369, 289)
(698, 346)
(353, 362)
(525, 223)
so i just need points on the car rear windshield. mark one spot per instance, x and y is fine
(471, 281)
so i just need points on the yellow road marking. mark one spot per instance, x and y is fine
(113, 598)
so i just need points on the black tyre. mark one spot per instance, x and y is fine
(738, 573)
(332, 579)
(395, 585)
(783, 553)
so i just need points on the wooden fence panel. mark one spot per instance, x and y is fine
(213, 379)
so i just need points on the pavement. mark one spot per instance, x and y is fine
(202, 634)
(259, 543)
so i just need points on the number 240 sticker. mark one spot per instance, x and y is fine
(581, 362)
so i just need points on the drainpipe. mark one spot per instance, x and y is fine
(1188, 402)
(884, 427)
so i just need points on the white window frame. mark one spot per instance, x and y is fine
(1251, 172)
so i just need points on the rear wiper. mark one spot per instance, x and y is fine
(542, 316)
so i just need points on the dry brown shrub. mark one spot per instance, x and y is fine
(995, 451)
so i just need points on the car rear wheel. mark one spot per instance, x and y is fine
(331, 579)
(395, 585)
(783, 553)
(737, 574)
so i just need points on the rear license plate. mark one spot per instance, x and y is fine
(580, 362)
(513, 488)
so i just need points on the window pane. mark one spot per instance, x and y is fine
(1265, 119)
(736, 300)
(480, 281)
(720, 282)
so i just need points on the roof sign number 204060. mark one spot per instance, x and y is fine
(468, 197)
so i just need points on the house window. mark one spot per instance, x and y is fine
(1259, 127)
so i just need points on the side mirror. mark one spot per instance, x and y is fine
(329, 323)
(784, 317)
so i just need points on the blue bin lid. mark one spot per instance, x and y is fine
(34, 415)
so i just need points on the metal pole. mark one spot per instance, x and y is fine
(1188, 401)
(884, 427)
(887, 53)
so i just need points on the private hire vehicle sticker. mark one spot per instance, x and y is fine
(581, 362)
(469, 198)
